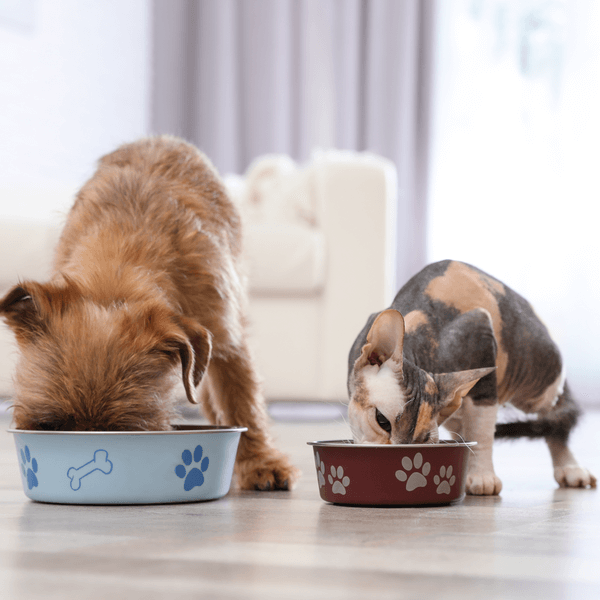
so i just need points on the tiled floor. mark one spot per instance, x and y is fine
(535, 541)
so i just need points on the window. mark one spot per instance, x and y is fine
(514, 185)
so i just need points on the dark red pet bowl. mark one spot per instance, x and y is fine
(391, 475)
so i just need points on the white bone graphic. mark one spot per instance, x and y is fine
(100, 462)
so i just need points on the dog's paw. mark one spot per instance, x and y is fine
(483, 483)
(574, 476)
(268, 473)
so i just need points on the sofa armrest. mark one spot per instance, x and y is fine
(357, 200)
(27, 248)
(30, 246)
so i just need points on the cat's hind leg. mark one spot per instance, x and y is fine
(567, 471)
(560, 420)
(554, 424)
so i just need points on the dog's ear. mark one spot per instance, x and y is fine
(28, 306)
(21, 309)
(195, 349)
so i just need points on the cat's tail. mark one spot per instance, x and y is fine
(556, 424)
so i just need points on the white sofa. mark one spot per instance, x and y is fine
(319, 249)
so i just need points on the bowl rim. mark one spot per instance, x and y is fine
(351, 444)
(179, 429)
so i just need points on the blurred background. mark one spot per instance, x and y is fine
(487, 109)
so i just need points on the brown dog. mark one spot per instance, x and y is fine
(146, 279)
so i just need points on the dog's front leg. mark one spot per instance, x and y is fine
(479, 424)
(235, 390)
(208, 406)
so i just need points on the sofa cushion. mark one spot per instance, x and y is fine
(284, 248)
(284, 258)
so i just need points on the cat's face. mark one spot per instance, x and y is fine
(392, 401)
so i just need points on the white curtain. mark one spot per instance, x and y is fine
(242, 78)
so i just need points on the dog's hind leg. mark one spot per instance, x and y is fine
(236, 392)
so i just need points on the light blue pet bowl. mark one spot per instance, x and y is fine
(188, 464)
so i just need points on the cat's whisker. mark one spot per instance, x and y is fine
(342, 416)
(345, 421)
(462, 439)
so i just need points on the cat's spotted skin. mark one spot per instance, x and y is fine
(458, 319)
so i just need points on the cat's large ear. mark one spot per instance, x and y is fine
(385, 341)
(453, 387)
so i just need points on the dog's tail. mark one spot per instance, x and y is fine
(557, 424)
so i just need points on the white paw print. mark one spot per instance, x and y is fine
(416, 479)
(320, 470)
(445, 480)
(338, 481)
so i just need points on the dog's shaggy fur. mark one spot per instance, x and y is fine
(146, 283)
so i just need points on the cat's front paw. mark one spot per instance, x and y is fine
(483, 483)
(574, 476)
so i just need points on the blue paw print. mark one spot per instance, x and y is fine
(194, 477)
(29, 470)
